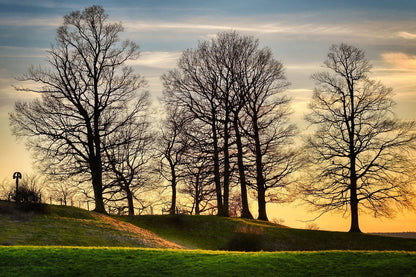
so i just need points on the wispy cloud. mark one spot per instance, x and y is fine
(161, 60)
(239, 24)
(303, 27)
(22, 52)
(8, 95)
(407, 35)
(400, 61)
(52, 21)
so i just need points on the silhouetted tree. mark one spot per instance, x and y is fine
(128, 152)
(172, 146)
(196, 86)
(85, 93)
(61, 191)
(234, 88)
(259, 83)
(197, 166)
(359, 153)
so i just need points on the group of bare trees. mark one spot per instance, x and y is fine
(230, 92)
(225, 132)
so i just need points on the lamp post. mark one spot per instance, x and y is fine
(17, 176)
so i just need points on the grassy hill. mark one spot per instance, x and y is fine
(67, 241)
(69, 226)
(216, 233)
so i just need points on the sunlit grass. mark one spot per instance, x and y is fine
(82, 261)
(59, 225)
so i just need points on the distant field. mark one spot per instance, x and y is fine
(71, 261)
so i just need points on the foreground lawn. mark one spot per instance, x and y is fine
(83, 261)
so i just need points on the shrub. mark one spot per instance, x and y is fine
(28, 199)
(27, 195)
(248, 242)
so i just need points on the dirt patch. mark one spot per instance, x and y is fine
(148, 238)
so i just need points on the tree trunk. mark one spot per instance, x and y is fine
(226, 183)
(262, 204)
(355, 228)
(172, 210)
(130, 201)
(97, 184)
(353, 174)
(245, 212)
(197, 192)
(217, 179)
(197, 212)
(261, 190)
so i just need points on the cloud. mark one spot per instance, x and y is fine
(407, 35)
(305, 27)
(8, 95)
(31, 22)
(400, 61)
(22, 52)
(161, 60)
(239, 24)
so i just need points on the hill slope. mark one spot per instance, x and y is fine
(216, 233)
(69, 226)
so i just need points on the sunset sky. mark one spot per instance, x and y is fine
(298, 32)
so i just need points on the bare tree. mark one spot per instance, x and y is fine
(128, 152)
(61, 191)
(260, 83)
(84, 93)
(196, 87)
(197, 180)
(172, 146)
(359, 153)
(232, 86)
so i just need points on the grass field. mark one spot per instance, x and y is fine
(69, 226)
(217, 233)
(70, 261)
(67, 241)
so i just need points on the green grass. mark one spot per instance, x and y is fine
(68, 226)
(70, 261)
(50, 227)
(216, 233)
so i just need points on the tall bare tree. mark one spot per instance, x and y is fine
(83, 93)
(359, 153)
(196, 87)
(260, 83)
(128, 152)
(233, 86)
(172, 146)
(197, 181)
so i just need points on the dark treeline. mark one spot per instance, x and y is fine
(225, 135)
